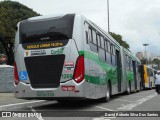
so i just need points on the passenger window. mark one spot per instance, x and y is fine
(98, 39)
(108, 43)
(106, 47)
(102, 42)
(127, 62)
(86, 37)
(94, 37)
(90, 35)
(113, 50)
(86, 32)
(130, 65)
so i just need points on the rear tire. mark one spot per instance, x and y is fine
(108, 94)
(140, 87)
(128, 88)
(62, 101)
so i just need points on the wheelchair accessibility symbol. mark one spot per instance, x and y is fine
(23, 75)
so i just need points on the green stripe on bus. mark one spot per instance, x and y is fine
(111, 72)
(95, 80)
(95, 58)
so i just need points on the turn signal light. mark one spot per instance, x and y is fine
(16, 78)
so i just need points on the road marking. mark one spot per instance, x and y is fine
(136, 103)
(15, 108)
(130, 106)
(101, 118)
(136, 96)
(104, 118)
(21, 103)
(102, 108)
(125, 100)
(33, 110)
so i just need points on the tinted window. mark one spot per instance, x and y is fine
(101, 54)
(127, 62)
(113, 60)
(93, 47)
(86, 32)
(98, 39)
(111, 49)
(102, 42)
(46, 30)
(90, 34)
(108, 57)
(86, 37)
(108, 43)
(106, 47)
(94, 37)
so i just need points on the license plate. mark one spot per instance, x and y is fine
(68, 88)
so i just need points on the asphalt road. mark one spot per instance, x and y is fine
(146, 100)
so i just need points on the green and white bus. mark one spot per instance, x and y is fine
(66, 56)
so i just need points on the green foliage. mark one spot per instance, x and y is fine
(156, 61)
(118, 38)
(10, 14)
(1, 48)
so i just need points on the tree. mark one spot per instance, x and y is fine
(156, 61)
(1, 49)
(10, 14)
(118, 38)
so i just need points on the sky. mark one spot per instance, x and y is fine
(138, 21)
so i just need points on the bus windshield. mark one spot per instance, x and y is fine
(46, 30)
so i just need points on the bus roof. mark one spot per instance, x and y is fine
(105, 33)
(129, 53)
(39, 18)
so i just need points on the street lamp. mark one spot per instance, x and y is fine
(108, 14)
(145, 45)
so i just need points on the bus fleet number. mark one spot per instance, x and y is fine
(67, 76)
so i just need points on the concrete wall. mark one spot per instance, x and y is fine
(6, 78)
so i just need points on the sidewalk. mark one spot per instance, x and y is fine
(6, 95)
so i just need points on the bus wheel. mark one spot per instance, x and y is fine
(108, 93)
(128, 88)
(140, 86)
(62, 101)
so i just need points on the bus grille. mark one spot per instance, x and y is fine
(45, 71)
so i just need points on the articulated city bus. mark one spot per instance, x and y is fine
(147, 76)
(67, 56)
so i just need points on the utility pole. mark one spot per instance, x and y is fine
(145, 45)
(108, 15)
